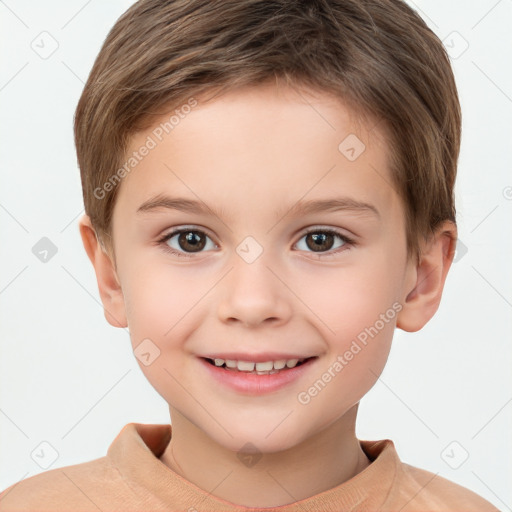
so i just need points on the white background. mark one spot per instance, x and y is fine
(70, 379)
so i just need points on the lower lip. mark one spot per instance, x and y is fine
(254, 384)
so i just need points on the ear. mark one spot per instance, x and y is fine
(426, 278)
(108, 283)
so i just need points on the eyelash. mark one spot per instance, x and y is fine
(348, 242)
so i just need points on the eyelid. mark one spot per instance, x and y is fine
(186, 227)
(327, 229)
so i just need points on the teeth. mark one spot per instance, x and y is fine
(264, 367)
(259, 368)
(246, 366)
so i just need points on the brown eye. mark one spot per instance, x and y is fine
(319, 241)
(183, 242)
(191, 241)
(323, 241)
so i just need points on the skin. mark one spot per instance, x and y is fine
(248, 154)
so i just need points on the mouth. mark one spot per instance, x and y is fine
(258, 368)
(257, 378)
(253, 378)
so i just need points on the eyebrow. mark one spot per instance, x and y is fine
(160, 201)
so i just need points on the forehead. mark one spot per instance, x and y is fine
(279, 144)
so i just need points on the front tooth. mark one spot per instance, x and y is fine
(219, 362)
(230, 363)
(279, 365)
(245, 366)
(264, 367)
(291, 363)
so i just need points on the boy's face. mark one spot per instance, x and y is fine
(249, 280)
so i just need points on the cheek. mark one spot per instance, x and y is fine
(361, 320)
(155, 303)
(351, 299)
(358, 308)
(156, 306)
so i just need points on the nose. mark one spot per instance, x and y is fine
(254, 294)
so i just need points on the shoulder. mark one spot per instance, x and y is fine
(88, 486)
(411, 489)
(422, 490)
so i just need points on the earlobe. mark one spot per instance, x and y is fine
(428, 276)
(106, 276)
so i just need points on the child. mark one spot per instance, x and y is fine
(269, 193)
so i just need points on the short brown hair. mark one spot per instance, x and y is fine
(377, 55)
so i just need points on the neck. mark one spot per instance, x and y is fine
(319, 463)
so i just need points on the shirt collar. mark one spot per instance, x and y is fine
(136, 450)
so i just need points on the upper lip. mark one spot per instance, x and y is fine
(261, 357)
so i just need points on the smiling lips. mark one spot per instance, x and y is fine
(242, 375)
